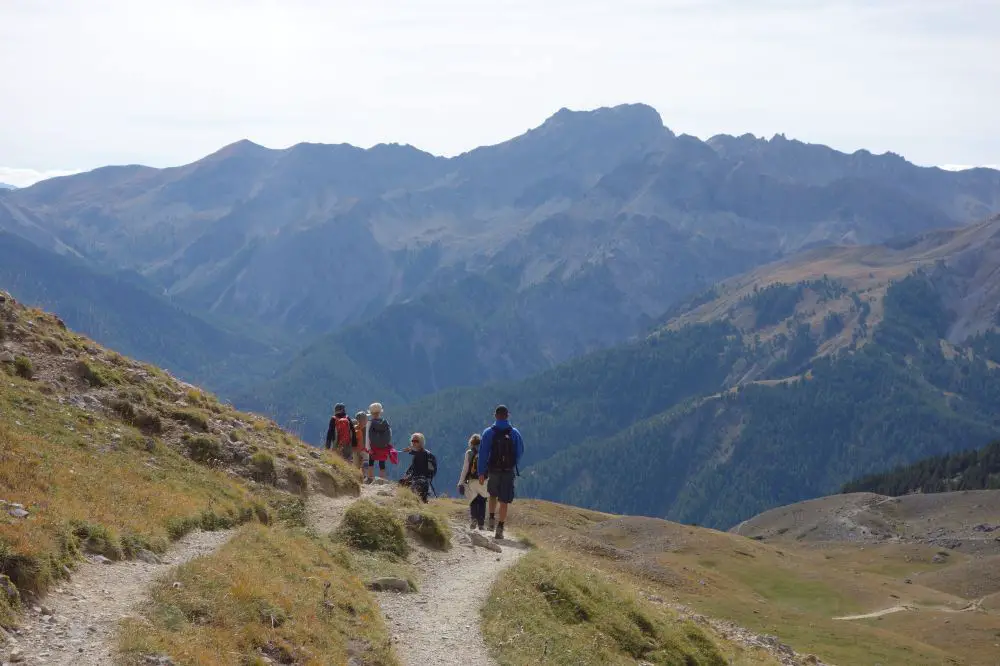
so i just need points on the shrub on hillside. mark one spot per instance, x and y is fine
(368, 526)
(23, 367)
(262, 468)
(203, 449)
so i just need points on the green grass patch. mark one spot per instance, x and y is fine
(368, 526)
(192, 417)
(23, 367)
(564, 613)
(203, 449)
(430, 529)
(262, 468)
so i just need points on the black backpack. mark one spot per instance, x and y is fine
(432, 465)
(503, 453)
(379, 434)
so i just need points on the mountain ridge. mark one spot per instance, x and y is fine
(771, 388)
(578, 235)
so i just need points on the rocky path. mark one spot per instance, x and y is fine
(440, 624)
(77, 622)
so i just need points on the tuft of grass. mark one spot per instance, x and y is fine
(430, 529)
(98, 539)
(92, 374)
(565, 613)
(23, 367)
(203, 449)
(368, 526)
(239, 607)
(194, 418)
(262, 468)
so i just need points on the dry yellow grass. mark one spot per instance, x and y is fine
(789, 590)
(69, 469)
(147, 460)
(273, 593)
(554, 608)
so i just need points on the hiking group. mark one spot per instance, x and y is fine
(488, 470)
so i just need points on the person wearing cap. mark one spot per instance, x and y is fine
(499, 455)
(340, 432)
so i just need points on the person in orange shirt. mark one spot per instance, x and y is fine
(361, 448)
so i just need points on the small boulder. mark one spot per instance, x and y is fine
(100, 559)
(148, 556)
(6, 357)
(390, 585)
(18, 512)
(483, 542)
(16, 656)
(937, 559)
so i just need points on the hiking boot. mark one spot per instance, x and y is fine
(499, 532)
(473, 524)
(481, 527)
(492, 524)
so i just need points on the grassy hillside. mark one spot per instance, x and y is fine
(103, 455)
(978, 469)
(726, 585)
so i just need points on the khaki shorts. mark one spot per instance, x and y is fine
(360, 458)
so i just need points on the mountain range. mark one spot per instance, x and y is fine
(770, 388)
(644, 300)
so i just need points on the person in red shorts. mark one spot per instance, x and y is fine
(378, 439)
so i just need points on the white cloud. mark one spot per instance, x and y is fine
(120, 81)
(25, 177)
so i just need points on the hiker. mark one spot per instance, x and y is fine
(360, 448)
(423, 468)
(378, 439)
(499, 454)
(340, 432)
(469, 485)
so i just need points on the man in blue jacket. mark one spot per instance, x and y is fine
(499, 455)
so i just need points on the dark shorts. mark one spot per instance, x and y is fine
(501, 486)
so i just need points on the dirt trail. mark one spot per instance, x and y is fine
(76, 623)
(439, 625)
(875, 614)
(971, 607)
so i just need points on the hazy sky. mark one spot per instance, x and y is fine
(88, 83)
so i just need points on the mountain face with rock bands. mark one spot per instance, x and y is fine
(493, 264)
